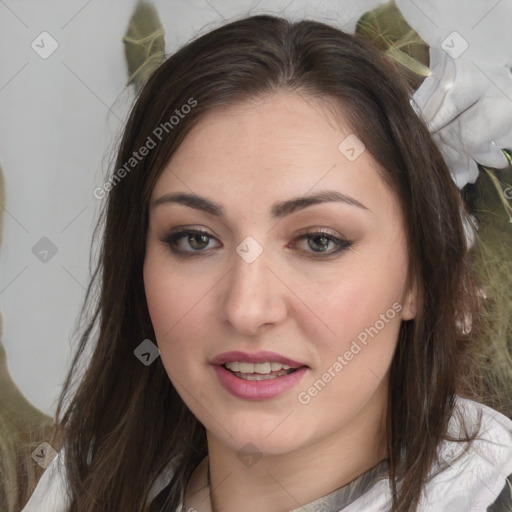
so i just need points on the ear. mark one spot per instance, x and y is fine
(410, 301)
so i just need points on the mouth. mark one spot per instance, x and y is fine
(258, 371)
(259, 376)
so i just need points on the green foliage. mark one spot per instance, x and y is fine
(144, 44)
(488, 200)
(388, 30)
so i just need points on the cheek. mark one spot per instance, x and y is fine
(177, 304)
(360, 311)
(171, 292)
(355, 353)
(344, 303)
(363, 326)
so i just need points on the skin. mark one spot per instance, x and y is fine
(307, 308)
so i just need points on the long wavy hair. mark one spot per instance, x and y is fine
(124, 421)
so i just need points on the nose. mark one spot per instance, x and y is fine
(252, 296)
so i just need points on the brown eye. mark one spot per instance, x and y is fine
(193, 242)
(180, 243)
(318, 243)
(198, 240)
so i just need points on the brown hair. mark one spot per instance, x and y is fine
(118, 435)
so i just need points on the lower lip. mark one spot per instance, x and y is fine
(258, 389)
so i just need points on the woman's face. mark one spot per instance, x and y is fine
(317, 285)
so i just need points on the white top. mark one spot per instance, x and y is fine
(470, 483)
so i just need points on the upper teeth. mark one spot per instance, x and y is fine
(256, 367)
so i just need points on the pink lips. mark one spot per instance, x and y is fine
(259, 357)
(256, 389)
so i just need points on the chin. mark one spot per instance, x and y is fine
(252, 435)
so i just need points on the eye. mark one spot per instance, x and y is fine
(198, 241)
(319, 241)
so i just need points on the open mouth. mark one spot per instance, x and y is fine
(261, 380)
(258, 371)
(260, 376)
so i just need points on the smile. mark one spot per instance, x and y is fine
(253, 385)
(258, 371)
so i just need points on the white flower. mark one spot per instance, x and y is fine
(467, 107)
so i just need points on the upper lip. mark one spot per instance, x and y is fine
(258, 357)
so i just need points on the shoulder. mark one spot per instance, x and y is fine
(492, 445)
(474, 476)
(50, 494)
(470, 477)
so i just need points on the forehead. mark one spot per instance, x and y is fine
(272, 148)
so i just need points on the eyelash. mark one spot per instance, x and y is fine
(171, 240)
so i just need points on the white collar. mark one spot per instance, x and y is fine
(469, 484)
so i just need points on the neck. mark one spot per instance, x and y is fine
(287, 481)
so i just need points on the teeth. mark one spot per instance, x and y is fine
(247, 376)
(262, 368)
(278, 366)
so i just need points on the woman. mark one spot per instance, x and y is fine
(282, 226)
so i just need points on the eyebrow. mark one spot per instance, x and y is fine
(279, 209)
